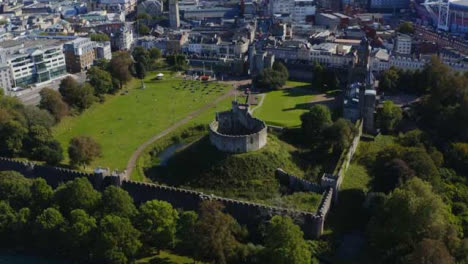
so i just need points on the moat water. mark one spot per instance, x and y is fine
(167, 153)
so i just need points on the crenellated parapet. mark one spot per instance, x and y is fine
(237, 131)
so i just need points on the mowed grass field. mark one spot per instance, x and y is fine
(128, 119)
(284, 107)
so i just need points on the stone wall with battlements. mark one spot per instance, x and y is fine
(246, 213)
(334, 180)
(296, 184)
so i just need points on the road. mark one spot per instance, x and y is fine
(133, 159)
(30, 96)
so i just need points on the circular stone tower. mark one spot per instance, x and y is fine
(237, 131)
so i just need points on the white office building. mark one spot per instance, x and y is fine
(30, 62)
(303, 9)
(403, 44)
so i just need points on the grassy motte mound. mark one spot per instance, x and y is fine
(246, 176)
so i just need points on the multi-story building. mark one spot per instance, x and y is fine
(122, 39)
(388, 5)
(174, 18)
(112, 6)
(281, 6)
(152, 7)
(303, 11)
(299, 11)
(327, 54)
(6, 80)
(403, 44)
(103, 50)
(332, 55)
(328, 20)
(30, 62)
(381, 60)
(79, 54)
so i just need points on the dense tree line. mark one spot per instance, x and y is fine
(99, 37)
(321, 133)
(145, 60)
(26, 131)
(272, 79)
(324, 79)
(80, 223)
(419, 210)
(178, 62)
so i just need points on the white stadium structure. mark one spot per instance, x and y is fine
(449, 15)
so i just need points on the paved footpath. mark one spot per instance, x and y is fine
(133, 159)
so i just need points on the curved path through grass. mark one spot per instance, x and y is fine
(133, 159)
(127, 120)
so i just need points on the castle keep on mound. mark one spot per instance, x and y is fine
(237, 131)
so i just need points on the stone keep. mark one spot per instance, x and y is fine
(236, 131)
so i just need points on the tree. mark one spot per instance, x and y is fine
(216, 233)
(324, 79)
(279, 67)
(7, 218)
(395, 173)
(389, 116)
(140, 70)
(143, 29)
(67, 85)
(12, 133)
(99, 37)
(120, 66)
(157, 221)
(141, 55)
(77, 194)
(186, 231)
(273, 78)
(406, 28)
(458, 155)
(83, 150)
(389, 80)
(155, 53)
(78, 96)
(15, 189)
(430, 251)
(49, 228)
(38, 117)
(118, 202)
(143, 16)
(51, 152)
(422, 164)
(41, 195)
(117, 240)
(40, 145)
(284, 242)
(177, 61)
(410, 214)
(314, 122)
(443, 108)
(80, 234)
(100, 79)
(339, 135)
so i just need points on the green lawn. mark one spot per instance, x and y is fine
(127, 120)
(205, 118)
(356, 177)
(284, 107)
